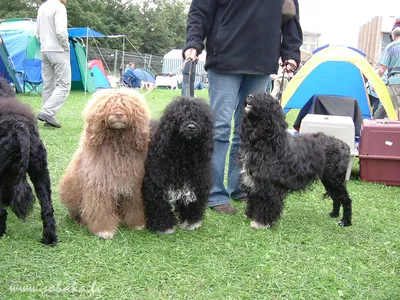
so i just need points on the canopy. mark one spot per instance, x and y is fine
(84, 32)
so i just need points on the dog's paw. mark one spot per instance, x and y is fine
(344, 223)
(49, 239)
(333, 215)
(2, 230)
(105, 235)
(140, 227)
(256, 225)
(186, 226)
(168, 231)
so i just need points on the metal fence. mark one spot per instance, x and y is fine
(114, 59)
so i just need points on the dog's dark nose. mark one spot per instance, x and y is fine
(191, 127)
(118, 114)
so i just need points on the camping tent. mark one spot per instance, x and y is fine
(144, 75)
(173, 60)
(19, 42)
(99, 74)
(340, 71)
(7, 69)
(86, 33)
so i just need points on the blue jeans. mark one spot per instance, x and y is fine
(227, 94)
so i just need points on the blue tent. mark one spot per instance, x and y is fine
(144, 75)
(100, 81)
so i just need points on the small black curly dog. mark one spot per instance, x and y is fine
(274, 163)
(177, 177)
(22, 152)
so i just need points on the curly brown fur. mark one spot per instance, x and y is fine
(22, 152)
(275, 163)
(177, 181)
(102, 184)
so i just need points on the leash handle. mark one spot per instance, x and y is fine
(189, 75)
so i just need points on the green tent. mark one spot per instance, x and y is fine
(78, 65)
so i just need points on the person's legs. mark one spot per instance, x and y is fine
(394, 92)
(250, 84)
(374, 103)
(223, 92)
(48, 78)
(62, 77)
(380, 113)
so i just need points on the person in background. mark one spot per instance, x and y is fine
(52, 33)
(130, 77)
(373, 97)
(245, 40)
(395, 25)
(390, 62)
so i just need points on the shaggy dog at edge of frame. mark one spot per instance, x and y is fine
(102, 184)
(22, 152)
(274, 163)
(178, 175)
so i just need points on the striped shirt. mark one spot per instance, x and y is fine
(391, 59)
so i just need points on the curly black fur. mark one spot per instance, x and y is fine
(5, 89)
(22, 152)
(274, 162)
(177, 179)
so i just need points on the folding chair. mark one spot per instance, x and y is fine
(32, 74)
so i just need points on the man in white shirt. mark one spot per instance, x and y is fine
(52, 33)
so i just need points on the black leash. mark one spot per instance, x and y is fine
(284, 70)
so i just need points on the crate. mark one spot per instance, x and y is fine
(339, 127)
(380, 151)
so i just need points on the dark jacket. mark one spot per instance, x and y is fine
(243, 36)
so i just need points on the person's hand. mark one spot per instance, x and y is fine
(290, 65)
(191, 54)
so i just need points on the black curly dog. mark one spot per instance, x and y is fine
(274, 163)
(177, 179)
(22, 152)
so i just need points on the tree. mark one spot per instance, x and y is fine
(152, 26)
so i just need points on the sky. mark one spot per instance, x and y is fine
(339, 21)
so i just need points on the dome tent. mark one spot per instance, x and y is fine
(340, 71)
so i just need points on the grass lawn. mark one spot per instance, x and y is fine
(305, 256)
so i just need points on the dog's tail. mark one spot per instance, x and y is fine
(22, 198)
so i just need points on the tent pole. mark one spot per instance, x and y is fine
(87, 50)
(123, 53)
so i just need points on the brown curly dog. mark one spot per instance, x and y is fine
(102, 184)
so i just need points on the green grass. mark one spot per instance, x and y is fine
(305, 256)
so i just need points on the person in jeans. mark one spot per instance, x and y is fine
(52, 33)
(390, 62)
(245, 40)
